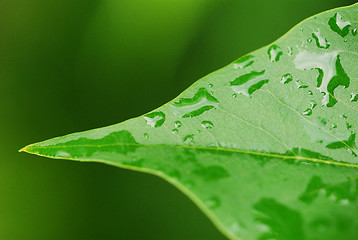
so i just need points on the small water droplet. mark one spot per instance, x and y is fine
(300, 84)
(175, 131)
(338, 25)
(348, 125)
(286, 78)
(234, 95)
(343, 116)
(321, 42)
(290, 51)
(310, 92)
(191, 107)
(308, 112)
(309, 40)
(247, 84)
(146, 136)
(155, 119)
(207, 124)
(345, 40)
(213, 202)
(177, 124)
(333, 125)
(354, 32)
(198, 131)
(301, 29)
(274, 53)
(210, 85)
(330, 73)
(313, 104)
(354, 97)
(244, 61)
(189, 139)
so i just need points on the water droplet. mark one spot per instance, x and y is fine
(177, 124)
(321, 42)
(308, 112)
(301, 29)
(213, 202)
(348, 125)
(286, 78)
(247, 84)
(175, 131)
(343, 116)
(313, 104)
(309, 40)
(310, 92)
(244, 61)
(207, 124)
(338, 25)
(234, 95)
(300, 84)
(345, 40)
(331, 73)
(189, 139)
(333, 125)
(354, 97)
(290, 51)
(210, 85)
(274, 53)
(192, 107)
(198, 131)
(354, 32)
(146, 136)
(155, 119)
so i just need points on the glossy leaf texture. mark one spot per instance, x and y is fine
(266, 146)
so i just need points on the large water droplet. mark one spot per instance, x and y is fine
(331, 73)
(207, 124)
(155, 119)
(192, 107)
(354, 97)
(338, 25)
(189, 139)
(247, 84)
(274, 53)
(244, 61)
(286, 78)
(321, 42)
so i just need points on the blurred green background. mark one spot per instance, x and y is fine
(73, 65)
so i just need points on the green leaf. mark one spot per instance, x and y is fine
(266, 146)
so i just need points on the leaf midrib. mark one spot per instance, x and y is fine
(273, 155)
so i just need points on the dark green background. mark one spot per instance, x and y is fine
(73, 65)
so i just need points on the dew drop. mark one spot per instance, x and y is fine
(354, 97)
(175, 131)
(321, 42)
(195, 106)
(198, 131)
(244, 61)
(146, 136)
(274, 53)
(310, 92)
(313, 104)
(354, 32)
(247, 84)
(210, 85)
(309, 40)
(338, 25)
(155, 119)
(333, 125)
(330, 73)
(207, 124)
(234, 95)
(178, 124)
(286, 78)
(189, 139)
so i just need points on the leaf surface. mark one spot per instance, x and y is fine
(266, 146)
